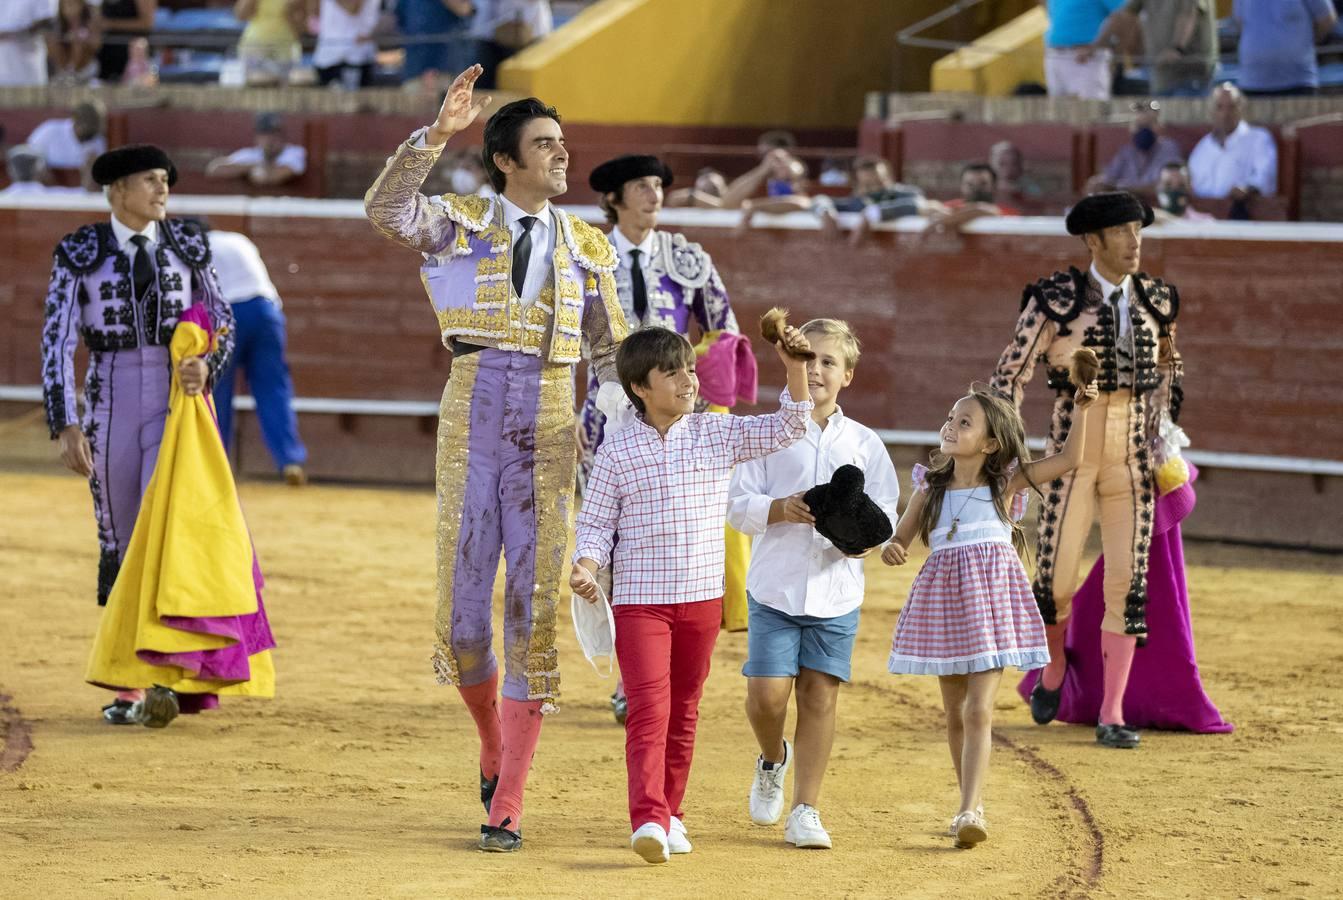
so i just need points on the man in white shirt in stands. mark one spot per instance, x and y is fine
(345, 48)
(804, 593)
(73, 143)
(270, 162)
(23, 43)
(258, 350)
(28, 173)
(1236, 159)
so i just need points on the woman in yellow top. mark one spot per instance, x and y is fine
(269, 45)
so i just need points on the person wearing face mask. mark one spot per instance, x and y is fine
(1173, 196)
(468, 176)
(1137, 164)
(522, 291)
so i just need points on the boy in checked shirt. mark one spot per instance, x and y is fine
(662, 483)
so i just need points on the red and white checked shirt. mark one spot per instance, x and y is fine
(667, 498)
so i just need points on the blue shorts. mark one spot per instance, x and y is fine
(778, 644)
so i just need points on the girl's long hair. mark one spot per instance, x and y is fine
(1002, 424)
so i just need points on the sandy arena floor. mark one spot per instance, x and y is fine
(359, 779)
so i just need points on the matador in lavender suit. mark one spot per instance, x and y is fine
(121, 286)
(1128, 319)
(518, 286)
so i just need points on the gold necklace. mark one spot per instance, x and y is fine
(956, 519)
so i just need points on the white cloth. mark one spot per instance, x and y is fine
(60, 148)
(794, 569)
(292, 157)
(540, 261)
(1247, 159)
(490, 14)
(345, 38)
(1125, 287)
(238, 265)
(1066, 77)
(23, 59)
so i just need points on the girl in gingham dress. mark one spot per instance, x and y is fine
(971, 611)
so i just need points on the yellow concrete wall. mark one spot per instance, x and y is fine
(798, 63)
(1000, 60)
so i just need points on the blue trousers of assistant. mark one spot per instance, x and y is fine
(258, 351)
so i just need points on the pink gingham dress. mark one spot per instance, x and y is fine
(971, 608)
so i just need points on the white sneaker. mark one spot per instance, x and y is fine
(804, 829)
(767, 789)
(677, 839)
(650, 842)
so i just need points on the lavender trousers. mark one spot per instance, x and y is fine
(505, 480)
(126, 405)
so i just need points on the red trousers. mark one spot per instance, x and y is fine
(664, 652)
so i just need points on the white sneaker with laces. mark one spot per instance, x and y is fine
(767, 789)
(677, 839)
(650, 842)
(804, 829)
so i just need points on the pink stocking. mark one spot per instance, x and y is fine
(483, 701)
(1052, 676)
(1117, 650)
(522, 729)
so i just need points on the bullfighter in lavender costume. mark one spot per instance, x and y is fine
(121, 286)
(518, 286)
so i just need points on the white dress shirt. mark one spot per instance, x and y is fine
(542, 256)
(794, 569)
(1248, 158)
(292, 157)
(23, 59)
(623, 247)
(238, 265)
(123, 233)
(345, 38)
(1125, 287)
(61, 149)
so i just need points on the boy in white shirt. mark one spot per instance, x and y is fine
(803, 594)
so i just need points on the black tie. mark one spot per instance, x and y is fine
(640, 288)
(142, 270)
(522, 252)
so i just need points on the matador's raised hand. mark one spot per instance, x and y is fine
(460, 107)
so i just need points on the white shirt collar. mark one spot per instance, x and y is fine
(513, 212)
(623, 245)
(1107, 288)
(830, 422)
(124, 233)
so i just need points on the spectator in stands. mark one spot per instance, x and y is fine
(1138, 164)
(269, 162)
(876, 195)
(1009, 168)
(72, 48)
(123, 21)
(24, 25)
(436, 38)
(503, 27)
(75, 142)
(708, 190)
(1236, 159)
(27, 171)
(1277, 44)
(1173, 196)
(784, 178)
(1074, 65)
(1180, 37)
(468, 175)
(269, 47)
(979, 187)
(345, 49)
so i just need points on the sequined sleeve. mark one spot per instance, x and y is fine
(60, 336)
(604, 328)
(396, 207)
(1166, 398)
(1035, 331)
(711, 307)
(206, 292)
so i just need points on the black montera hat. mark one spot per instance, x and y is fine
(610, 175)
(1098, 211)
(130, 159)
